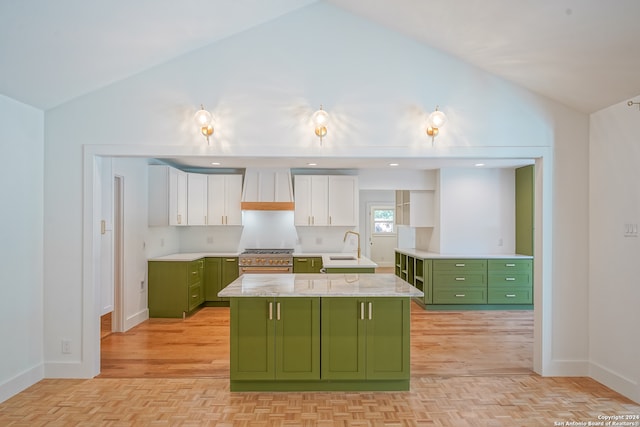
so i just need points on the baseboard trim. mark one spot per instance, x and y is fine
(21, 382)
(615, 381)
(567, 368)
(136, 319)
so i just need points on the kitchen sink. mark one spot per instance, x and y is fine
(342, 258)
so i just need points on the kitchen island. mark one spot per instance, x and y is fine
(295, 332)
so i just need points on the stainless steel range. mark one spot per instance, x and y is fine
(266, 261)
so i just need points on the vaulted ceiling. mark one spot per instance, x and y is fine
(582, 53)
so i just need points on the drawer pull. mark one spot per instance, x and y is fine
(230, 259)
(509, 279)
(509, 265)
(302, 260)
(460, 279)
(510, 295)
(460, 264)
(460, 295)
(194, 296)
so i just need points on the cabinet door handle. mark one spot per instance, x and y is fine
(329, 219)
(313, 220)
(509, 279)
(460, 265)
(313, 263)
(370, 310)
(179, 219)
(278, 311)
(270, 311)
(460, 279)
(460, 295)
(361, 311)
(510, 295)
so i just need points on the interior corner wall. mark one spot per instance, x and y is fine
(21, 249)
(614, 248)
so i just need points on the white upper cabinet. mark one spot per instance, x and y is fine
(343, 200)
(326, 200)
(196, 199)
(223, 200)
(167, 196)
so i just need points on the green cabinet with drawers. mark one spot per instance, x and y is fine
(469, 283)
(510, 281)
(459, 281)
(175, 287)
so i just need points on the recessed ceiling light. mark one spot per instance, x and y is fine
(479, 165)
(393, 164)
(215, 163)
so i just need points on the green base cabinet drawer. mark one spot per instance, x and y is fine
(510, 265)
(460, 265)
(510, 296)
(509, 279)
(459, 296)
(466, 279)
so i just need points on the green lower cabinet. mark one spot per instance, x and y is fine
(175, 287)
(274, 339)
(307, 264)
(365, 339)
(218, 273)
(335, 343)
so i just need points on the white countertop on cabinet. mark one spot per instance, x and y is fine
(319, 285)
(192, 256)
(435, 255)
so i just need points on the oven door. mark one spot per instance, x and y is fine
(266, 270)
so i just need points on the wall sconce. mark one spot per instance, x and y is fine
(436, 120)
(631, 104)
(203, 120)
(320, 119)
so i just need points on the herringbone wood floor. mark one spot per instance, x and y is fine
(468, 369)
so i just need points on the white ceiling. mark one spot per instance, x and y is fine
(582, 53)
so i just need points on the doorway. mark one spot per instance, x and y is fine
(382, 234)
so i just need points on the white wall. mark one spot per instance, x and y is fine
(614, 267)
(262, 99)
(477, 211)
(21, 224)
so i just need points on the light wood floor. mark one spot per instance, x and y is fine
(468, 369)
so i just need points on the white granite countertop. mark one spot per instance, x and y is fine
(319, 285)
(192, 256)
(435, 255)
(353, 262)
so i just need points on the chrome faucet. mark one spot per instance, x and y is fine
(358, 235)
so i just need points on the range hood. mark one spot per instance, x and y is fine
(267, 189)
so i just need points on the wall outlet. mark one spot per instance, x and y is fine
(210, 240)
(66, 347)
(631, 230)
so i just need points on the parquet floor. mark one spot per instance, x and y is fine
(468, 369)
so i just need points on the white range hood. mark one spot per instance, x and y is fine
(268, 189)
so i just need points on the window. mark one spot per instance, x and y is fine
(383, 220)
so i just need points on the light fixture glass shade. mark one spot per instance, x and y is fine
(320, 118)
(202, 118)
(437, 119)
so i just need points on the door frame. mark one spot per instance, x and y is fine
(369, 229)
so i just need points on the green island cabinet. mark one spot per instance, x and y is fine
(274, 339)
(175, 287)
(366, 339)
(218, 273)
(320, 343)
(307, 264)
